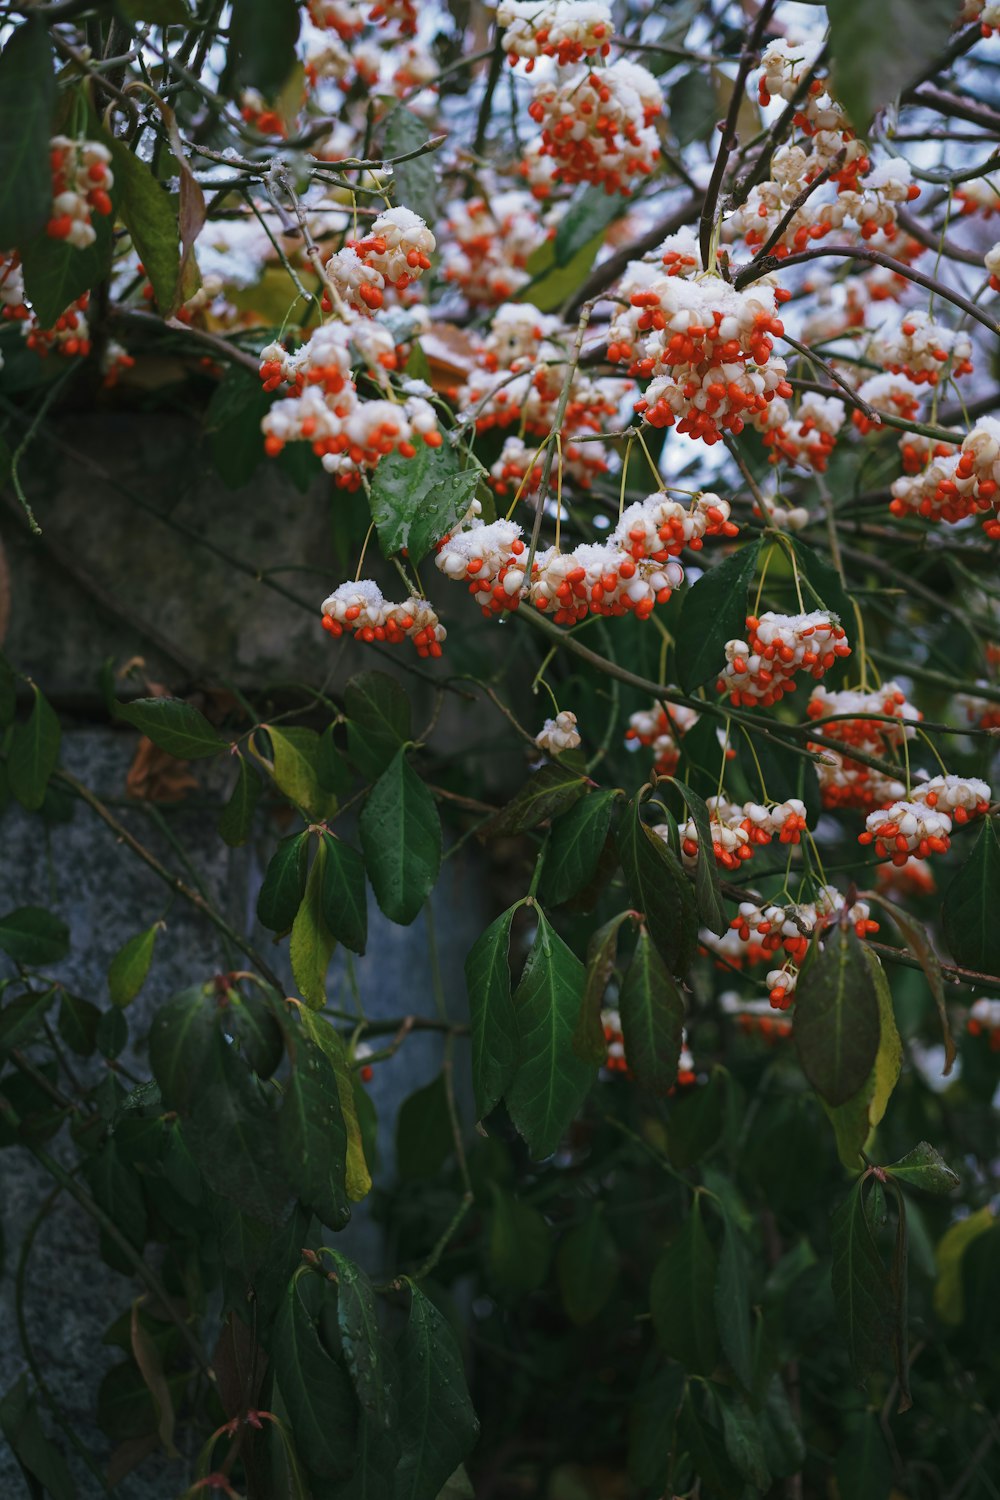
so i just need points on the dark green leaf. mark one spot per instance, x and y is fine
(415, 181)
(401, 838)
(262, 37)
(33, 754)
(877, 46)
(231, 1133)
(660, 889)
(652, 1016)
(312, 942)
(312, 1135)
(774, 771)
(362, 1346)
(713, 613)
(699, 1436)
(232, 426)
(236, 818)
(732, 1300)
(706, 875)
(651, 1426)
(177, 727)
(378, 715)
(970, 905)
(696, 1119)
(22, 1427)
(923, 1167)
(587, 1268)
(416, 501)
(492, 1020)
(298, 763)
(437, 1425)
(112, 1034)
(424, 1138)
(251, 1019)
(784, 1445)
(546, 794)
(345, 895)
(8, 679)
(150, 215)
(742, 1432)
(588, 213)
(20, 1019)
(575, 846)
(837, 1018)
(118, 1190)
(551, 1081)
(33, 936)
(602, 951)
(78, 1022)
(316, 1391)
(519, 1247)
(27, 102)
(284, 883)
(860, 1285)
(694, 108)
(130, 966)
(182, 1046)
(682, 1296)
(863, 1465)
(917, 938)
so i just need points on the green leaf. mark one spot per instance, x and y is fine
(130, 965)
(916, 936)
(112, 1034)
(743, 1438)
(345, 897)
(951, 1248)
(284, 883)
(27, 103)
(437, 1426)
(297, 770)
(923, 1167)
(714, 612)
(551, 283)
(551, 1081)
(176, 727)
(784, 1445)
(696, 1119)
(878, 46)
(118, 1190)
(652, 1016)
(775, 771)
(651, 1421)
(968, 914)
(34, 753)
(236, 818)
(589, 1042)
(589, 212)
(361, 1343)
(660, 890)
(401, 839)
(150, 215)
(78, 1022)
(861, 1287)
(22, 1018)
(547, 793)
(575, 844)
(424, 1138)
(824, 588)
(33, 936)
(232, 426)
(732, 1300)
(182, 1046)
(8, 682)
(262, 37)
(694, 108)
(252, 1022)
(706, 874)
(378, 720)
(863, 1465)
(22, 1427)
(415, 182)
(312, 1133)
(231, 1134)
(587, 1268)
(492, 1020)
(312, 943)
(682, 1297)
(316, 1390)
(416, 501)
(889, 1057)
(837, 1017)
(519, 1245)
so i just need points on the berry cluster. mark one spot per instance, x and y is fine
(984, 1014)
(81, 183)
(763, 668)
(394, 254)
(737, 830)
(660, 731)
(596, 127)
(558, 734)
(788, 929)
(956, 485)
(921, 825)
(488, 245)
(707, 348)
(359, 609)
(845, 782)
(806, 439)
(897, 395)
(568, 30)
(924, 350)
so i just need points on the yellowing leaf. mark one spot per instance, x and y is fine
(951, 1248)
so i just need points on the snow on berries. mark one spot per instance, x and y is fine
(659, 730)
(921, 824)
(706, 348)
(81, 183)
(925, 350)
(596, 127)
(558, 734)
(395, 253)
(488, 244)
(761, 669)
(956, 485)
(806, 439)
(568, 30)
(845, 782)
(360, 609)
(991, 260)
